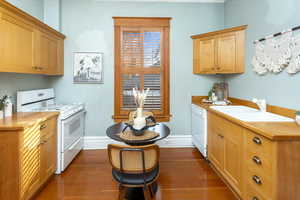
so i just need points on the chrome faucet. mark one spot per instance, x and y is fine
(262, 104)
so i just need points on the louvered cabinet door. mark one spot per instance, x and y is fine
(30, 161)
(17, 49)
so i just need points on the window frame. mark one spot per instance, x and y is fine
(149, 23)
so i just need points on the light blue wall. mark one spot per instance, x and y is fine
(10, 83)
(264, 17)
(88, 26)
(52, 13)
(32, 7)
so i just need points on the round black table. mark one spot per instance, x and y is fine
(114, 130)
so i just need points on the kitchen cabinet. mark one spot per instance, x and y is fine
(28, 45)
(225, 149)
(18, 44)
(28, 156)
(51, 54)
(255, 167)
(219, 52)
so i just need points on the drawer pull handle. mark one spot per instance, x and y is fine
(256, 160)
(255, 198)
(257, 180)
(43, 126)
(256, 140)
(221, 136)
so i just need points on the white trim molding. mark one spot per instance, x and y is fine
(173, 141)
(167, 1)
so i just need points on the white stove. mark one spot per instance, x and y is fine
(70, 123)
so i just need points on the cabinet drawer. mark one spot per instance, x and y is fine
(260, 182)
(252, 194)
(258, 162)
(48, 127)
(258, 144)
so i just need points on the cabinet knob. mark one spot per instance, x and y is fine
(255, 198)
(256, 160)
(257, 180)
(221, 136)
(43, 126)
(256, 140)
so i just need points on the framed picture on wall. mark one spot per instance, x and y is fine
(88, 67)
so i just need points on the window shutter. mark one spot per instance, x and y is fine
(141, 61)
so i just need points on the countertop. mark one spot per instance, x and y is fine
(270, 130)
(19, 121)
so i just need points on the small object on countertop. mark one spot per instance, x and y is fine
(2, 106)
(298, 117)
(220, 103)
(207, 101)
(214, 97)
(8, 108)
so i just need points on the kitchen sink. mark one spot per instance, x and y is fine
(248, 114)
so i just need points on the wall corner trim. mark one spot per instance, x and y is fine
(174, 141)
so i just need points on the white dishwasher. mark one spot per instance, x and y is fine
(199, 128)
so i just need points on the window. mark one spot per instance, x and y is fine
(142, 61)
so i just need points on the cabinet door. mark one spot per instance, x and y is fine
(18, 44)
(49, 54)
(30, 161)
(204, 55)
(233, 156)
(215, 144)
(226, 59)
(48, 156)
(48, 149)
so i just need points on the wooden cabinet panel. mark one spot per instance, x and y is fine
(48, 155)
(9, 165)
(28, 159)
(49, 57)
(226, 53)
(28, 45)
(219, 52)
(204, 51)
(17, 53)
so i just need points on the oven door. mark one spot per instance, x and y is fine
(72, 129)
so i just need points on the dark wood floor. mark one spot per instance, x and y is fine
(184, 175)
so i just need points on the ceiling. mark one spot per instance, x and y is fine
(169, 1)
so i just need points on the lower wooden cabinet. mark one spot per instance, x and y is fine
(255, 167)
(225, 149)
(28, 159)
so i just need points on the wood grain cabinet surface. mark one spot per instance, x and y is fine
(255, 167)
(28, 45)
(28, 159)
(219, 52)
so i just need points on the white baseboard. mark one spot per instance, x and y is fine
(174, 141)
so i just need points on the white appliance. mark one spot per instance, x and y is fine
(199, 129)
(70, 123)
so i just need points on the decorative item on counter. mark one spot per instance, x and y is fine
(8, 107)
(2, 106)
(298, 117)
(221, 90)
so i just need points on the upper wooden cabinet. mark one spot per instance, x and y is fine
(219, 52)
(28, 45)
